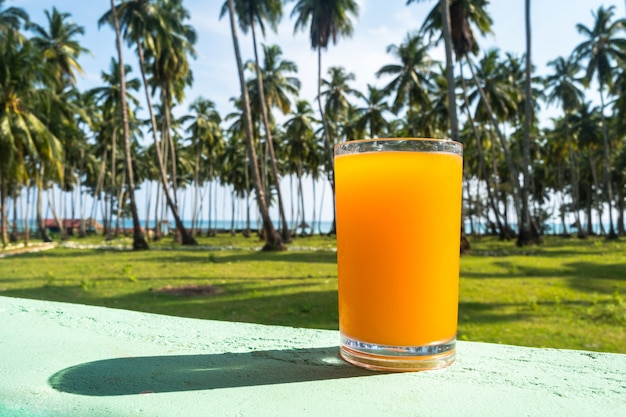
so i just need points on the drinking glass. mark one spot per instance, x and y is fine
(398, 213)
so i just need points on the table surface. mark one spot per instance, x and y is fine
(63, 360)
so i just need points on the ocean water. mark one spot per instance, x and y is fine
(320, 226)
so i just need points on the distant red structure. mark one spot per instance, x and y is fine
(73, 225)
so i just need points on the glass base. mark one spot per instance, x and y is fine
(398, 358)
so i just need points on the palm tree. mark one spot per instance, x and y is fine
(527, 233)
(412, 76)
(326, 20)
(300, 142)
(586, 128)
(250, 13)
(498, 100)
(63, 115)
(278, 86)
(170, 69)
(453, 18)
(446, 30)
(11, 19)
(336, 111)
(620, 179)
(272, 239)
(336, 93)
(60, 49)
(86, 120)
(562, 88)
(205, 134)
(372, 116)
(600, 51)
(435, 121)
(152, 27)
(26, 143)
(139, 241)
(108, 96)
(443, 15)
(463, 15)
(59, 46)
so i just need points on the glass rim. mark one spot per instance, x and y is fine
(436, 145)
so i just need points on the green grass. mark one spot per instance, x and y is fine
(566, 293)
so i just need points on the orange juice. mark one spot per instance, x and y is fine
(398, 235)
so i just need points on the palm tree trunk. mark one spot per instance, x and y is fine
(301, 194)
(588, 211)
(139, 241)
(447, 39)
(247, 232)
(482, 165)
(574, 180)
(291, 193)
(621, 230)
(186, 238)
(294, 226)
(26, 217)
(215, 199)
(247, 184)
(14, 233)
(55, 215)
(99, 186)
(232, 212)
(43, 231)
(596, 187)
(268, 135)
(468, 198)
(210, 206)
(170, 142)
(314, 217)
(3, 212)
(607, 168)
(196, 180)
(120, 204)
(147, 207)
(113, 181)
(527, 235)
(319, 223)
(81, 195)
(157, 218)
(505, 147)
(330, 166)
(454, 122)
(273, 239)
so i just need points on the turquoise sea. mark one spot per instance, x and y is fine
(319, 226)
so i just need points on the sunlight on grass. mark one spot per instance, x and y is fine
(562, 294)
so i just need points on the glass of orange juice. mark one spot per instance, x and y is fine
(398, 212)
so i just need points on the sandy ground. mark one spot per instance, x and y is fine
(19, 249)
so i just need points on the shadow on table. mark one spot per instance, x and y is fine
(153, 374)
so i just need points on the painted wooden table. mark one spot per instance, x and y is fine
(64, 360)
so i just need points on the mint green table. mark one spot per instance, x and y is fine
(64, 360)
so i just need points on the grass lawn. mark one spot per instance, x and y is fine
(566, 293)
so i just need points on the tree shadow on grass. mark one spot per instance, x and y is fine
(597, 278)
(490, 313)
(290, 303)
(176, 373)
(517, 252)
(219, 257)
(573, 270)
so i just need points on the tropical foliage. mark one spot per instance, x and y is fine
(91, 147)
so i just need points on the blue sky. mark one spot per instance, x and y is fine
(380, 23)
